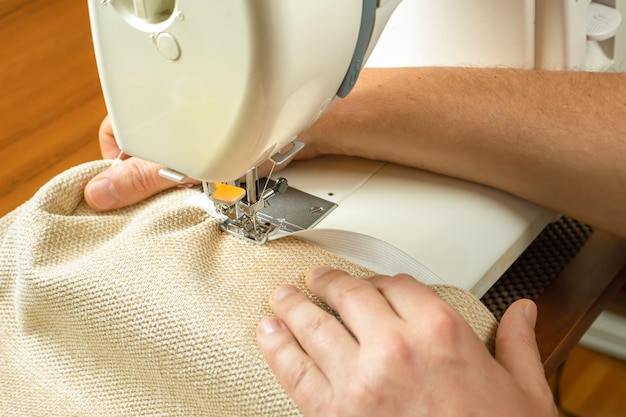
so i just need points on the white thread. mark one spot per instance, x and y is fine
(118, 159)
(267, 181)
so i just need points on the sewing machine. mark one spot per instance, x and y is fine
(212, 89)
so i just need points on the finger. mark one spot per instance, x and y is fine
(297, 372)
(123, 184)
(406, 295)
(362, 307)
(108, 144)
(516, 348)
(320, 334)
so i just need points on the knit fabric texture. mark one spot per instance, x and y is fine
(149, 310)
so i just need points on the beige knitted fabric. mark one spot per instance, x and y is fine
(145, 311)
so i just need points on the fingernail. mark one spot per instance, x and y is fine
(530, 311)
(103, 194)
(319, 271)
(269, 325)
(282, 292)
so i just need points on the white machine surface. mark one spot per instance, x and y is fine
(465, 233)
(209, 88)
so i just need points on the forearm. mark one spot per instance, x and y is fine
(558, 139)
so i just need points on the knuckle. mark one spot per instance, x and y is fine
(142, 180)
(348, 291)
(317, 322)
(391, 281)
(395, 349)
(353, 285)
(443, 325)
(368, 394)
(298, 377)
(401, 277)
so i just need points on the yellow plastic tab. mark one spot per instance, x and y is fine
(228, 193)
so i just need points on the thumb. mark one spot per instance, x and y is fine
(517, 351)
(128, 182)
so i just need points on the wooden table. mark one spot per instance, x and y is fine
(50, 99)
(51, 106)
(568, 307)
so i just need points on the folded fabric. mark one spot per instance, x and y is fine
(149, 310)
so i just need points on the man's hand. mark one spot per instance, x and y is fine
(133, 179)
(403, 352)
(128, 182)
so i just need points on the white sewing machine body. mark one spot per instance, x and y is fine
(255, 89)
(212, 88)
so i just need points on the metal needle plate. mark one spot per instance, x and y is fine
(295, 210)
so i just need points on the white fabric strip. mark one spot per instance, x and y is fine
(368, 251)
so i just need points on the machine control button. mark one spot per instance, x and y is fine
(145, 15)
(149, 11)
(602, 22)
(167, 45)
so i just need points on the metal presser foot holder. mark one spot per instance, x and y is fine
(249, 213)
(255, 219)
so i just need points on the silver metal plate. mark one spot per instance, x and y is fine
(295, 210)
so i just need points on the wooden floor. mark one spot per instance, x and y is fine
(593, 385)
(50, 109)
(50, 99)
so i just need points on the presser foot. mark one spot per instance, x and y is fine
(291, 211)
(248, 229)
(242, 207)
